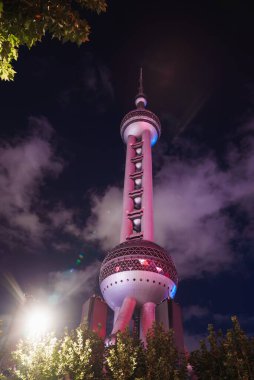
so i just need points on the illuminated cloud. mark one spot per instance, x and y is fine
(74, 282)
(24, 164)
(60, 216)
(104, 223)
(195, 311)
(189, 219)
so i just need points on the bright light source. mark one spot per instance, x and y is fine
(138, 181)
(137, 222)
(38, 321)
(173, 292)
(137, 200)
(154, 139)
(143, 262)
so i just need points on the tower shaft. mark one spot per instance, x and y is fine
(137, 220)
(148, 187)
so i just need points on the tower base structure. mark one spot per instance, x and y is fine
(169, 314)
(96, 314)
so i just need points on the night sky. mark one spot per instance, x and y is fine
(62, 158)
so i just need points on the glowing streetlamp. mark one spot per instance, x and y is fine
(37, 322)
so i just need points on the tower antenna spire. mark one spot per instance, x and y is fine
(140, 99)
(140, 88)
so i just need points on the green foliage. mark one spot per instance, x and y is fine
(25, 22)
(162, 357)
(229, 356)
(3, 343)
(37, 360)
(81, 355)
(125, 359)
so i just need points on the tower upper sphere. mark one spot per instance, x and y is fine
(137, 121)
(140, 269)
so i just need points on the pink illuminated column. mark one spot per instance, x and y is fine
(124, 315)
(116, 312)
(128, 187)
(147, 199)
(147, 318)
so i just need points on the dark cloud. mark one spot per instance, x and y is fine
(91, 84)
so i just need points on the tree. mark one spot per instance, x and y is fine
(229, 356)
(4, 354)
(163, 359)
(78, 355)
(25, 22)
(125, 359)
(37, 360)
(81, 355)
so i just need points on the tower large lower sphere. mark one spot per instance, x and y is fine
(137, 274)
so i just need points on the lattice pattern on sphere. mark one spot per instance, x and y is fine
(140, 113)
(137, 247)
(127, 256)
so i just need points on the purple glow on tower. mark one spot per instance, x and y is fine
(137, 274)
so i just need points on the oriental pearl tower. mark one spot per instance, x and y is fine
(137, 274)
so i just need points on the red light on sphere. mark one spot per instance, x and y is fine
(117, 269)
(144, 262)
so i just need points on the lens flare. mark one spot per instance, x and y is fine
(13, 287)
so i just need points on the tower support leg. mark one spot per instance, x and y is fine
(147, 318)
(116, 313)
(124, 315)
